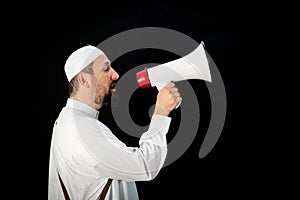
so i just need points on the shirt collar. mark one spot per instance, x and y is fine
(78, 105)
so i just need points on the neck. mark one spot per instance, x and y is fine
(87, 99)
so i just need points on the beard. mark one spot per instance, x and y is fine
(107, 98)
(103, 99)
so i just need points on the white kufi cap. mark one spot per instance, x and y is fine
(80, 59)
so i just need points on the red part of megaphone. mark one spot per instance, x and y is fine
(143, 79)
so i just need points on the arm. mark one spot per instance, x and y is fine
(115, 160)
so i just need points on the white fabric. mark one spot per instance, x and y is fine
(86, 153)
(80, 59)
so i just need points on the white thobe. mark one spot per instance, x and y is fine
(86, 154)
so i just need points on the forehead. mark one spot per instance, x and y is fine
(101, 62)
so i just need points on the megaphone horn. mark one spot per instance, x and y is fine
(192, 66)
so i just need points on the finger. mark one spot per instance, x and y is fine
(174, 89)
(176, 94)
(179, 99)
(170, 85)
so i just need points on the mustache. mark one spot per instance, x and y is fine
(113, 84)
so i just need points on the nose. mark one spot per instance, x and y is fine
(114, 75)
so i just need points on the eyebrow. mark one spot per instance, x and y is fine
(107, 63)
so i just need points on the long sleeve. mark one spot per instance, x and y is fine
(86, 153)
(100, 152)
(115, 160)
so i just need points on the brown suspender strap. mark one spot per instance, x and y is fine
(104, 191)
(102, 195)
(63, 188)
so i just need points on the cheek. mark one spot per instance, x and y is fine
(101, 87)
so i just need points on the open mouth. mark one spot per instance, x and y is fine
(112, 87)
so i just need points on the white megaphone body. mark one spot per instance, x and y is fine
(192, 66)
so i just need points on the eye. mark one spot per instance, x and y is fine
(106, 69)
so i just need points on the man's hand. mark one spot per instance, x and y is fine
(167, 99)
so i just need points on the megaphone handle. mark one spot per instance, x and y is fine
(178, 104)
(159, 86)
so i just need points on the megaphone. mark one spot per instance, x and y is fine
(192, 66)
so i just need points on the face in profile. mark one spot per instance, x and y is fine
(103, 80)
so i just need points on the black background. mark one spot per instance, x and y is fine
(239, 165)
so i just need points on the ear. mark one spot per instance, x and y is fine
(83, 80)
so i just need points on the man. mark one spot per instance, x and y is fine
(85, 155)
